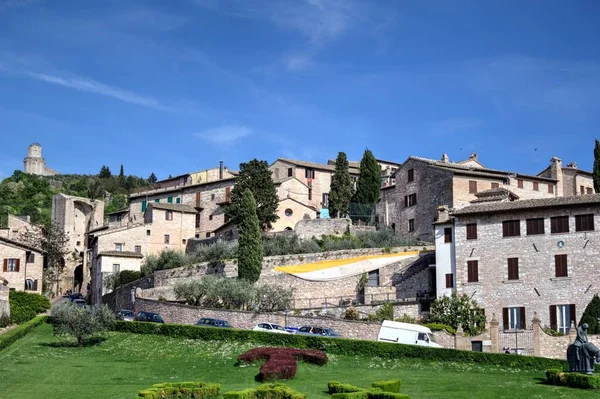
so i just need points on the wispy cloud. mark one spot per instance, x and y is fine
(225, 135)
(93, 86)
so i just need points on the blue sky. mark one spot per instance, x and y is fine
(175, 86)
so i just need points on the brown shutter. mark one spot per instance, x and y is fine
(505, 318)
(573, 315)
(5, 265)
(198, 194)
(523, 321)
(35, 285)
(18, 264)
(553, 324)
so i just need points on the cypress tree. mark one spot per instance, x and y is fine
(122, 172)
(591, 314)
(597, 167)
(341, 189)
(250, 246)
(368, 187)
(152, 179)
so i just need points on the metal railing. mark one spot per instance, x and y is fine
(367, 299)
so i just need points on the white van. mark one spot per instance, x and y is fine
(405, 333)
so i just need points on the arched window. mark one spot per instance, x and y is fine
(288, 229)
(30, 285)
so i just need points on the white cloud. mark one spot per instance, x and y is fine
(225, 135)
(92, 86)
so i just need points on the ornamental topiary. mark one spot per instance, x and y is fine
(266, 391)
(181, 390)
(281, 363)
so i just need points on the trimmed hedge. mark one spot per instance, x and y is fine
(20, 331)
(572, 380)
(24, 306)
(270, 391)
(340, 346)
(181, 390)
(338, 387)
(281, 363)
(379, 390)
(388, 385)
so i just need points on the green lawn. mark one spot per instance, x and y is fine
(126, 363)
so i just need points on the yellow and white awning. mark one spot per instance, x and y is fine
(341, 268)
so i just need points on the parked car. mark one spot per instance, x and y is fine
(80, 302)
(149, 317)
(406, 333)
(318, 331)
(270, 327)
(75, 295)
(126, 315)
(208, 322)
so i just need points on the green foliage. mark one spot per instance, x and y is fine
(451, 310)
(385, 312)
(250, 252)
(341, 346)
(351, 313)
(4, 320)
(104, 172)
(591, 314)
(181, 390)
(368, 187)
(388, 385)
(24, 306)
(265, 391)
(572, 380)
(115, 280)
(166, 259)
(439, 326)
(408, 319)
(285, 245)
(379, 390)
(341, 189)
(215, 253)
(81, 322)
(11, 336)
(596, 170)
(152, 178)
(552, 333)
(256, 177)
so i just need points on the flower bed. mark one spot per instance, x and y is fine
(281, 363)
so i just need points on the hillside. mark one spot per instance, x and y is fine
(25, 194)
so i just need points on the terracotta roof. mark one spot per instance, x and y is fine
(121, 254)
(21, 245)
(173, 207)
(314, 165)
(495, 194)
(591, 199)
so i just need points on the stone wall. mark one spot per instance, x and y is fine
(4, 303)
(184, 314)
(306, 229)
(122, 297)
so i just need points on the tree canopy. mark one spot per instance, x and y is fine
(591, 315)
(250, 246)
(368, 188)
(451, 310)
(104, 172)
(340, 193)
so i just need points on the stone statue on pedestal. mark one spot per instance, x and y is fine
(582, 355)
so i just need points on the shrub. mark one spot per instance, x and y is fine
(573, 380)
(552, 332)
(590, 315)
(388, 385)
(167, 259)
(250, 252)
(265, 391)
(385, 312)
(216, 253)
(81, 323)
(450, 309)
(4, 320)
(408, 319)
(384, 238)
(24, 306)
(273, 297)
(341, 346)
(11, 336)
(379, 390)
(439, 326)
(351, 313)
(338, 387)
(281, 363)
(181, 390)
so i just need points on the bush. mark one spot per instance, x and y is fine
(351, 313)
(81, 323)
(573, 380)
(590, 315)
(338, 387)
(167, 259)
(216, 253)
(450, 309)
(4, 321)
(385, 312)
(11, 336)
(552, 333)
(388, 385)
(341, 346)
(265, 391)
(24, 306)
(408, 319)
(439, 326)
(281, 363)
(183, 390)
(379, 390)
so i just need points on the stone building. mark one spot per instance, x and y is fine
(22, 266)
(423, 185)
(76, 217)
(520, 258)
(16, 228)
(35, 164)
(203, 176)
(573, 181)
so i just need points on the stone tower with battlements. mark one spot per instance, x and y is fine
(35, 164)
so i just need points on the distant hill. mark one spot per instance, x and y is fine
(25, 194)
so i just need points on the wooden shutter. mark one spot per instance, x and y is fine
(523, 321)
(447, 234)
(18, 265)
(513, 268)
(472, 231)
(505, 323)
(553, 324)
(472, 272)
(406, 201)
(5, 269)
(495, 185)
(35, 285)
(560, 262)
(449, 280)
(572, 314)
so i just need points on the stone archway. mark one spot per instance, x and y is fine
(78, 278)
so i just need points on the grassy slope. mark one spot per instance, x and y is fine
(127, 363)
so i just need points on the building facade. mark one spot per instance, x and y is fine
(35, 164)
(22, 266)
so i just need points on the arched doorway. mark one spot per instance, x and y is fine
(78, 278)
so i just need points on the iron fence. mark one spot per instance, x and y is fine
(517, 341)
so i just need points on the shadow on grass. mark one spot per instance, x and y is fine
(541, 381)
(73, 344)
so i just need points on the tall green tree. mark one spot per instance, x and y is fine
(152, 179)
(256, 177)
(121, 172)
(104, 172)
(455, 309)
(340, 193)
(368, 187)
(591, 315)
(597, 167)
(250, 246)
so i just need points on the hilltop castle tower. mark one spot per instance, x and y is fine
(35, 164)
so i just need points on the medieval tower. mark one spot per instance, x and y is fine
(35, 164)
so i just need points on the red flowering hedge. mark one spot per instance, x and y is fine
(281, 363)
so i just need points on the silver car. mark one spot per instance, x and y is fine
(270, 327)
(125, 315)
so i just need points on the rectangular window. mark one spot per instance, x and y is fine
(589, 190)
(325, 200)
(138, 249)
(197, 220)
(156, 201)
(373, 280)
(472, 231)
(511, 228)
(290, 172)
(168, 215)
(118, 247)
(116, 268)
(183, 241)
(144, 206)
(513, 268)
(178, 200)
(447, 235)
(559, 224)
(411, 225)
(495, 185)
(560, 264)
(310, 194)
(584, 222)
(309, 173)
(536, 186)
(11, 265)
(582, 190)
(513, 318)
(519, 183)
(561, 317)
(449, 280)
(170, 200)
(410, 200)
(30, 256)
(472, 187)
(212, 197)
(147, 233)
(472, 271)
(550, 189)
(535, 226)
(210, 217)
(207, 235)
(228, 194)
(167, 238)
(411, 175)
(198, 199)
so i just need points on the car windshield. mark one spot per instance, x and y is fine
(277, 327)
(330, 331)
(128, 313)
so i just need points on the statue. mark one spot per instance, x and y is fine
(582, 355)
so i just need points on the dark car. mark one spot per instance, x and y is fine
(149, 317)
(317, 331)
(125, 315)
(208, 322)
(75, 295)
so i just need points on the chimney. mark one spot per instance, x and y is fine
(445, 158)
(443, 214)
(557, 173)
(572, 165)
(220, 170)
(473, 157)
